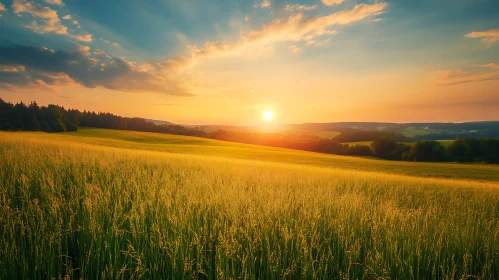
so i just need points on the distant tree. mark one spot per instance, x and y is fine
(459, 151)
(427, 151)
(384, 147)
(359, 150)
(367, 135)
(6, 115)
(402, 152)
(35, 116)
(73, 116)
(475, 150)
(491, 148)
(44, 126)
(54, 116)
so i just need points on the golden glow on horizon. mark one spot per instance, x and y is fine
(268, 116)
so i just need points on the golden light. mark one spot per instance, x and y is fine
(268, 115)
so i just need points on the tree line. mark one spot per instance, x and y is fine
(54, 118)
(461, 150)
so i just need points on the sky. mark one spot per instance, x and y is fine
(229, 61)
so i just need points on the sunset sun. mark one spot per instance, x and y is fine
(268, 116)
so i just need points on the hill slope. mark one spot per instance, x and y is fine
(208, 147)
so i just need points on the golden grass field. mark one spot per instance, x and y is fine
(103, 204)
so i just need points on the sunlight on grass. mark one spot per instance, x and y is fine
(80, 210)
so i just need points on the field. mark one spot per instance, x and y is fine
(445, 143)
(412, 131)
(103, 204)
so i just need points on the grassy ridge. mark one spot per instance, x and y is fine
(84, 211)
(207, 147)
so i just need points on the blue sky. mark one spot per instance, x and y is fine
(227, 61)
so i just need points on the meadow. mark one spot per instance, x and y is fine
(103, 204)
(445, 143)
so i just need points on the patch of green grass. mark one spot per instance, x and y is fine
(445, 143)
(412, 131)
(319, 133)
(362, 143)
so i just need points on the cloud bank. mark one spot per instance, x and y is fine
(35, 66)
(488, 37)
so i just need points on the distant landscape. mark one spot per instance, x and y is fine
(473, 142)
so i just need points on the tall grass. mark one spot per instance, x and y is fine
(82, 211)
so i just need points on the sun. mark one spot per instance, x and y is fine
(268, 116)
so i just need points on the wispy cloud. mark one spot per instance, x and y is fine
(488, 37)
(480, 73)
(295, 28)
(67, 17)
(109, 42)
(296, 7)
(491, 66)
(332, 2)
(55, 2)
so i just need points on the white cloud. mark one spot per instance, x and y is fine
(84, 50)
(264, 4)
(297, 7)
(83, 38)
(47, 19)
(48, 26)
(332, 2)
(55, 2)
(109, 42)
(22, 6)
(2, 9)
(488, 37)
